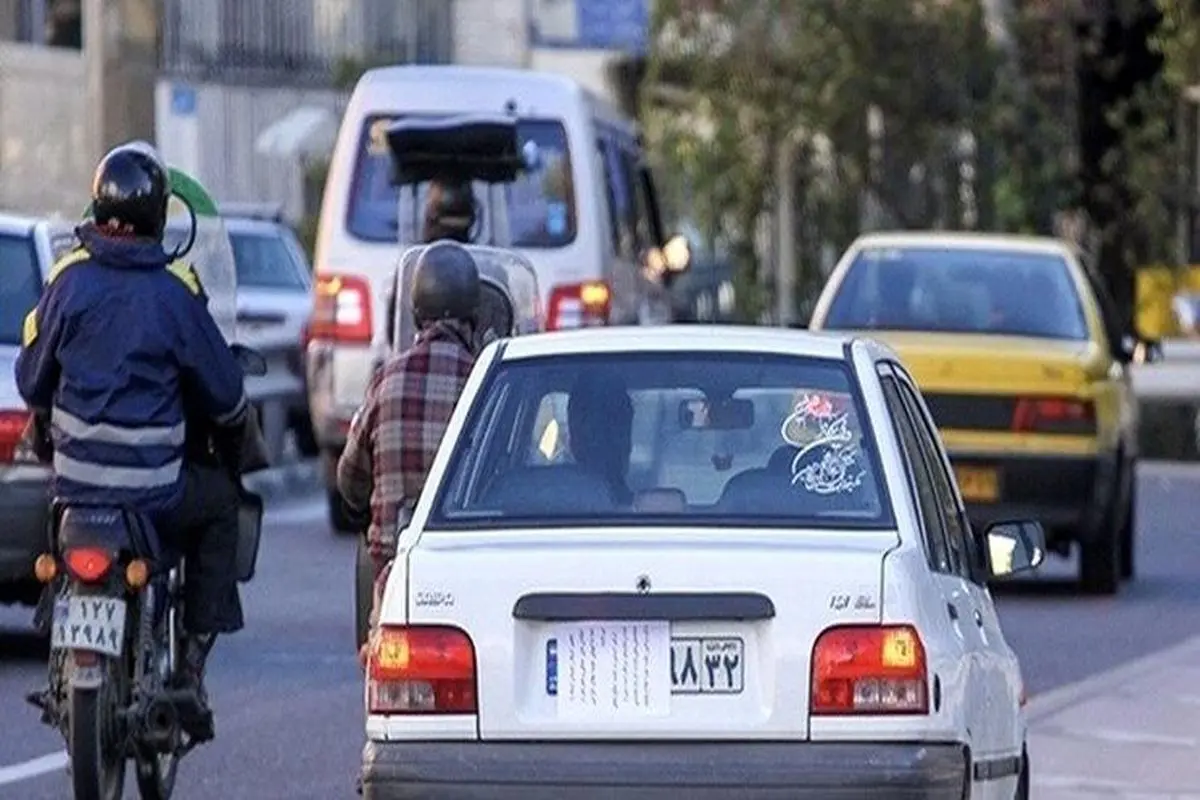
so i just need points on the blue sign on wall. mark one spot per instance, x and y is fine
(591, 24)
(183, 100)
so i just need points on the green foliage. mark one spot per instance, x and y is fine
(732, 86)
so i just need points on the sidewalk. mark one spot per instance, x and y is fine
(1132, 733)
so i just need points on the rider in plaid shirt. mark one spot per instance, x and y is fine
(395, 434)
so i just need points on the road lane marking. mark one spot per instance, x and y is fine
(34, 768)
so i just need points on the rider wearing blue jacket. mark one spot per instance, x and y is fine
(120, 337)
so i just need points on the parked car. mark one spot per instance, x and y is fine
(27, 253)
(1025, 363)
(274, 294)
(643, 550)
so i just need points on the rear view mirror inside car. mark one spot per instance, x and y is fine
(701, 414)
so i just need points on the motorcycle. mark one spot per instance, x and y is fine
(113, 592)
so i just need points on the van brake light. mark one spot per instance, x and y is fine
(579, 305)
(869, 669)
(419, 669)
(341, 310)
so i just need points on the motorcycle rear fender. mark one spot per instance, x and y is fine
(111, 527)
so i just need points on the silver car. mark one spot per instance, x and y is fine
(274, 295)
(26, 255)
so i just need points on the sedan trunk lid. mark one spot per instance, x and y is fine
(714, 638)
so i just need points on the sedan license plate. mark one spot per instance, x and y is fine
(708, 665)
(89, 623)
(981, 484)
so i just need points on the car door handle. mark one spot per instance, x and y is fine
(952, 610)
(978, 618)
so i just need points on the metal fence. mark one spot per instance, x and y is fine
(301, 42)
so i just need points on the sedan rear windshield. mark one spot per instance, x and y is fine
(665, 439)
(266, 262)
(959, 291)
(541, 203)
(21, 287)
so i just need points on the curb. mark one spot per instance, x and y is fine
(286, 482)
(1052, 702)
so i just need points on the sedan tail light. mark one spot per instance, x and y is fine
(579, 305)
(421, 670)
(341, 310)
(869, 669)
(1054, 415)
(12, 425)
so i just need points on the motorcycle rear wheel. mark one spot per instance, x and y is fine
(97, 760)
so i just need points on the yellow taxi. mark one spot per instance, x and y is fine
(1023, 363)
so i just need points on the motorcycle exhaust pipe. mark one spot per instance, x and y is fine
(159, 723)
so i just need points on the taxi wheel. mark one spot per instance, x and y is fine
(1128, 534)
(1100, 562)
(1023, 781)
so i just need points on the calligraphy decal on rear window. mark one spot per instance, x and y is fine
(826, 461)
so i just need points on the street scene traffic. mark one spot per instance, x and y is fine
(701, 400)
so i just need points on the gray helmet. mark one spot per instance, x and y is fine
(445, 284)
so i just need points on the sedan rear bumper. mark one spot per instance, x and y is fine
(697, 771)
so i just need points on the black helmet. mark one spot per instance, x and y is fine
(449, 211)
(130, 191)
(445, 284)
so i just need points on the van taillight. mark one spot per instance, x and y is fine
(341, 310)
(419, 669)
(579, 305)
(869, 669)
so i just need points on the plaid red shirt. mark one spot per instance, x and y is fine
(395, 434)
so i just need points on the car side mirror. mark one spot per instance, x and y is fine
(1015, 547)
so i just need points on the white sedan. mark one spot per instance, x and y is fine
(695, 562)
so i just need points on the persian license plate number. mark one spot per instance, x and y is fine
(978, 483)
(89, 623)
(708, 665)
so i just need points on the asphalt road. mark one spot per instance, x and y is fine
(287, 691)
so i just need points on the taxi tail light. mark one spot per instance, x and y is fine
(1054, 415)
(579, 305)
(341, 310)
(421, 670)
(88, 564)
(12, 426)
(869, 669)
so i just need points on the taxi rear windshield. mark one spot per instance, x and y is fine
(21, 287)
(541, 203)
(959, 290)
(665, 439)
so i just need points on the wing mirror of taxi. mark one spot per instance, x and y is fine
(1015, 547)
(250, 360)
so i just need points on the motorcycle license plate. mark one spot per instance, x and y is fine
(89, 623)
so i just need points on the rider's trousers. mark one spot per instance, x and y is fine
(204, 527)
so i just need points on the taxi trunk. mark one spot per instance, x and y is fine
(1011, 396)
(645, 633)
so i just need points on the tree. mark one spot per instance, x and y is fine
(1128, 172)
(732, 82)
